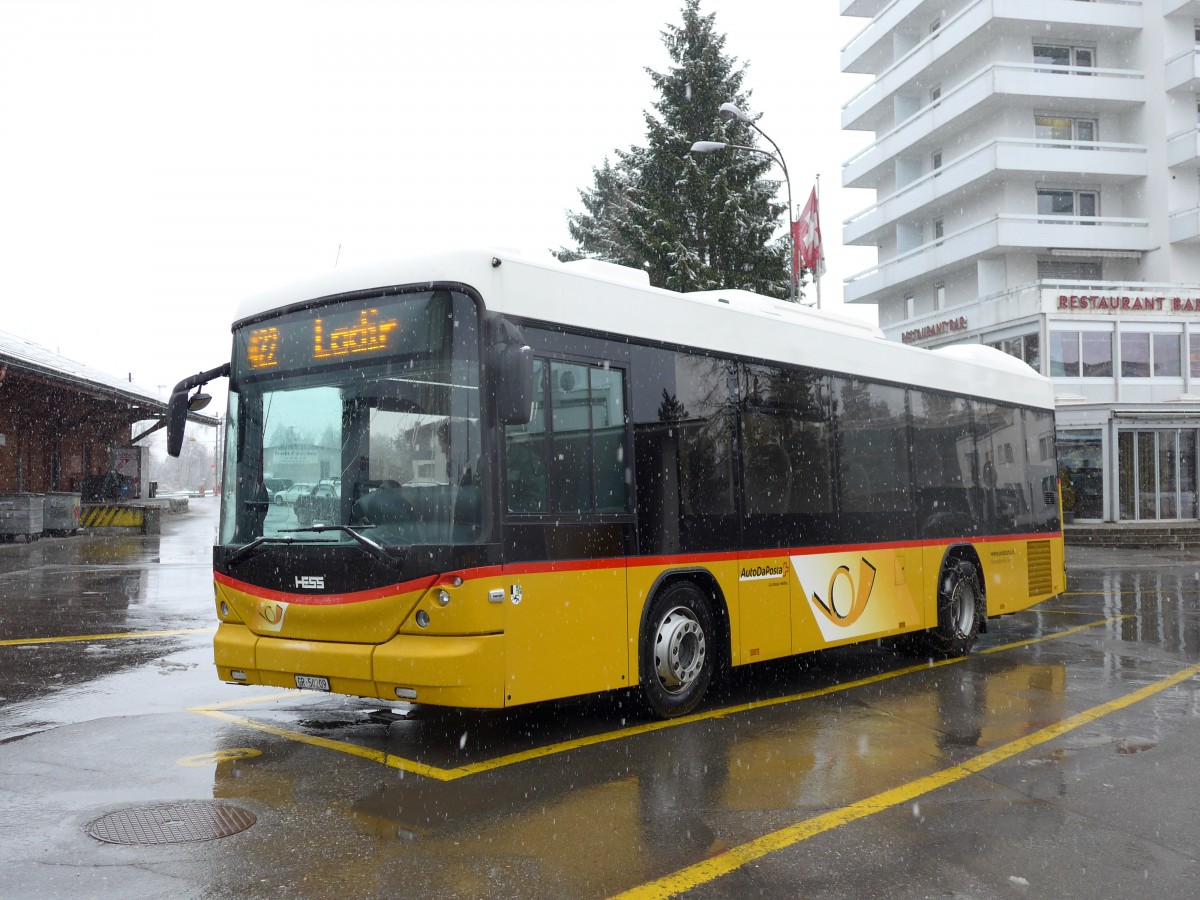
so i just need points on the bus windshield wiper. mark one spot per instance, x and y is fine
(246, 549)
(361, 539)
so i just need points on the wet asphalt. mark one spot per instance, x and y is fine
(1059, 760)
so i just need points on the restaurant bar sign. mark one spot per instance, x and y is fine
(936, 329)
(1114, 303)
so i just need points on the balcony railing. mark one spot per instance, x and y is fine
(1101, 161)
(1102, 89)
(1001, 231)
(859, 8)
(1189, 8)
(1182, 72)
(1183, 148)
(1183, 227)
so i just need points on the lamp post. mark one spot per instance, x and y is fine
(731, 111)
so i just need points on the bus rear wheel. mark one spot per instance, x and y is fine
(677, 652)
(961, 608)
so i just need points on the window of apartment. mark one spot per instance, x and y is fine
(935, 25)
(910, 306)
(1061, 202)
(1146, 354)
(939, 295)
(1025, 347)
(1081, 354)
(935, 93)
(1064, 55)
(939, 229)
(1064, 128)
(935, 159)
(1069, 270)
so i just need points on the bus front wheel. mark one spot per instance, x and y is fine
(677, 653)
(961, 608)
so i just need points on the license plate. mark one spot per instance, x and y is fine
(312, 683)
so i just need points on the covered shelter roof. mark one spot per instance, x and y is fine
(121, 398)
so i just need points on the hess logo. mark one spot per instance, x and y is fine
(311, 582)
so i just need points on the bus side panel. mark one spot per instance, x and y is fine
(1022, 573)
(764, 607)
(567, 634)
(848, 596)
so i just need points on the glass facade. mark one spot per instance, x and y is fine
(1156, 474)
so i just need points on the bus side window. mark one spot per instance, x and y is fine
(525, 454)
(570, 458)
(943, 454)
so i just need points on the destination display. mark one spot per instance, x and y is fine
(379, 327)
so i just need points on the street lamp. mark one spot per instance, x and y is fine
(731, 111)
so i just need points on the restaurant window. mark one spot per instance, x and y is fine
(1025, 347)
(1145, 354)
(1081, 354)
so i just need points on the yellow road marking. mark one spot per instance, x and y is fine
(216, 711)
(733, 859)
(120, 635)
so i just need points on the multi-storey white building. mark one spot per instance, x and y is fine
(1036, 165)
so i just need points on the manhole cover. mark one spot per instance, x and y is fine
(175, 823)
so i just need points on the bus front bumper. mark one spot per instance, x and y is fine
(466, 670)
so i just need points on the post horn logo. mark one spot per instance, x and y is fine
(272, 613)
(846, 600)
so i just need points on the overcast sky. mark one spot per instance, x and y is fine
(161, 160)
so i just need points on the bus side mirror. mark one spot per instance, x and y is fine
(177, 410)
(510, 360)
(180, 404)
(514, 395)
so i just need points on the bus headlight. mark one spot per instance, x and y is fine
(443, 597)
(422, 618)
(224, 610)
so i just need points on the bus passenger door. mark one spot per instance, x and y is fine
(565, 631)
(568, 528)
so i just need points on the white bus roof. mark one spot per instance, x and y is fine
(612, 299)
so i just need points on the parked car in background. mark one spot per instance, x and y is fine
(289, 494)
(276, 486)
(320, 504)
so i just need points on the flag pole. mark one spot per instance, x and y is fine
(817, 271)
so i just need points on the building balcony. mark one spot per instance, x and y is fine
(1003, 232)
(994, 163)
(1184, 226)
(957, 40)
(1189, 8)
(1183, 148)
(978, 97)
(860, 8)
(1182, 72)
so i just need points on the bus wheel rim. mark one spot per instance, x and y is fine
(679, 650)
(964, 608)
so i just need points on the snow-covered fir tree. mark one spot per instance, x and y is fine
(694, 222)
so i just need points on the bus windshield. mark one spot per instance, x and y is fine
(356, 419)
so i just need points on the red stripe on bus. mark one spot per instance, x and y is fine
(592, 565)
(389, 590)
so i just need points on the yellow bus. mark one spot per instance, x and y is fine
(535, 480)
